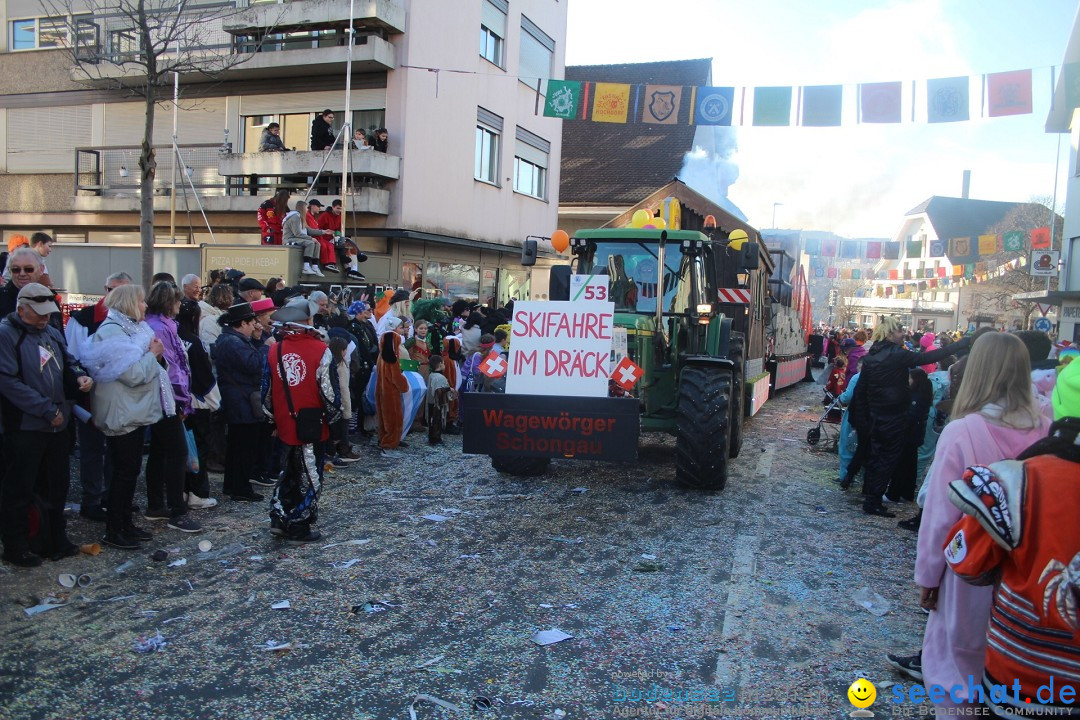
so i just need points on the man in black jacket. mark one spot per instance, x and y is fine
(322, 131)
(882, 400)
(37, 376)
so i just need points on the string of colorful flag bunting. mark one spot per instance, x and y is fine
(960, 249)
(946, 100)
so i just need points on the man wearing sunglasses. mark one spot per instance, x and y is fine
(37, 377)
(25, 266)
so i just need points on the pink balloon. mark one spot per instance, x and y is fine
(650, 226)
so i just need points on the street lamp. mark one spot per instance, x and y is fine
(774, 214)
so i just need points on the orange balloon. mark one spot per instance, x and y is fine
(560, 240)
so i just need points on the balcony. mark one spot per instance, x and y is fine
(267, 40)
(315, 14)
(107, 178)
(367, 163)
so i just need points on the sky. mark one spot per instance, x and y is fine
(854, 180)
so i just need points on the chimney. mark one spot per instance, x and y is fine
(967, 185)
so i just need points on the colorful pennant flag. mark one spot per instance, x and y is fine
(929, 272)
(845, 274)
(821, 105)
(888, 291)
(894, 274)
(611, 103)
(960, 247)
(879, 102)
(980, 267)
(819, 272)
(856, 274)
(870, 275)
(914, 248)
(941, 272)
(828, 247)
(1008, 93)
(988, 244)
(1012, 241)
(937, 248)
(772, 106)
(947, 99)
(907, 274)
(831, 273)
(891, 251)
(901, 288)
(873, 250)
(969, 270)
(812, 246)
(563, 99)
(713, 105)
(958, 270)
(661, 105)
(1040, 238)
(849, 249)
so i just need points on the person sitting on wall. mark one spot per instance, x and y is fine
(347, 252)
(270, 141)
(270, 215)
(292, 233)
(327, 259)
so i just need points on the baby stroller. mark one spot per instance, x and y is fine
(833, 414)
(834, 410)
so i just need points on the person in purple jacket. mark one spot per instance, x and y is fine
(167, 463)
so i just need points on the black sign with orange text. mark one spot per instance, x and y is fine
(586, 428)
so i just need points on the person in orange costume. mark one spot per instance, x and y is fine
(390, 384)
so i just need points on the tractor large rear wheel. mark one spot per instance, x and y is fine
(520, 466)
(737, 355)
(701, 447)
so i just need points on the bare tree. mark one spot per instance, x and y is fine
(998, 293)
(845, 309)
(145, 43)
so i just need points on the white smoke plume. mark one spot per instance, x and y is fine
(709, 169)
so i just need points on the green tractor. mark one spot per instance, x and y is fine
(668, 289)
(664, 287)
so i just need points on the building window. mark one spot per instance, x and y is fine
(530, 164)
(488, 131)
(39, 33)
(493, 31)
(452, 281)
(537, 51)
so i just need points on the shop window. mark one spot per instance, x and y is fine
(513, 285)
(412, 278)
(452, 281)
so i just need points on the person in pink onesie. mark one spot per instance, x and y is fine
(994, 418)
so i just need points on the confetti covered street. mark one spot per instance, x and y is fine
(436, 574)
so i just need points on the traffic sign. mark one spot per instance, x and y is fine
(1043, 325)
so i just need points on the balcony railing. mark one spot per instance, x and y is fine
(107, 178)
(114, 171)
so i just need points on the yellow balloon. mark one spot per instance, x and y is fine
(640, 218)
(658, 223)
(737, 238)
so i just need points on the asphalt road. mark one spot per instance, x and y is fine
(744, 597)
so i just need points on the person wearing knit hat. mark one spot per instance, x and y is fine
(1066, 395)
(358, 307)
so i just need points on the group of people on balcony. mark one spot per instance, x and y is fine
(323, 136)
(315, 231)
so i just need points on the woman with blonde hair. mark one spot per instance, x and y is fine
(882, 402)
(994, 417)
(132, 391)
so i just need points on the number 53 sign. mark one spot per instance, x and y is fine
(589, 287)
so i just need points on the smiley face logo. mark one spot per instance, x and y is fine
(862, 693)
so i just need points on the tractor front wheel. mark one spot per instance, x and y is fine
(520, 466)
(704, 416)
(737, 354)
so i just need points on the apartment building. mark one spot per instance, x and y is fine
(472, 166)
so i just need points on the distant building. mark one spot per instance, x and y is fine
(1063, 118)
(470, 170)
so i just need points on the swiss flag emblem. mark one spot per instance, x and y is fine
(494, 365)
(626, 373)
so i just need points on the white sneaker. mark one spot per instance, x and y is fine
(316, 271)
(198, 503)
(307, 269)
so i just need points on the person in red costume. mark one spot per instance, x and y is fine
(270, 214)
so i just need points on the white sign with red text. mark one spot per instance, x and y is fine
(560, 348)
